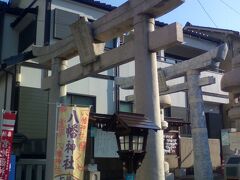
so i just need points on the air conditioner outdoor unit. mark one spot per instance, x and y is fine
(232, 168)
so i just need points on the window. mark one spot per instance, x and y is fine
(167, 112)
(138, 143)
(126, 106)
(124, 142)
(83, 100)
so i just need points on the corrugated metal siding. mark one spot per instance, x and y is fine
(62, 20)
(179, 112)
(32, 115)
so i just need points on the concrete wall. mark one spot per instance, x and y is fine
(178, 99)
(186, 150)
(126, 70)
(214, 89)
(194, 42)
(230, 143)
(30, 77)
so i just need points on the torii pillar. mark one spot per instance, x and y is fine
(57, 94)
(146, 103)
(202, 161)
(147, 98)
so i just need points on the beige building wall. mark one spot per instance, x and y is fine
(186, 150)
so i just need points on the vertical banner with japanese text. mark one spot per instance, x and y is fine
(71, 143)
(7, 130)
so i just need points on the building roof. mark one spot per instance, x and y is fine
(109, 7)
(160, 24)
(97, 4)
(196, 31)
(133, 120)
(202, 29)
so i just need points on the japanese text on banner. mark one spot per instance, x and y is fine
(71, 143)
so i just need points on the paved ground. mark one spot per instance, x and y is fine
(216, 177)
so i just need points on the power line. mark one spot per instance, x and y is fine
(207, 13)
(230, 7)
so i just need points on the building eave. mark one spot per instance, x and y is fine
(191, 27)
(10, 10)
(97, 4)
(201, 36)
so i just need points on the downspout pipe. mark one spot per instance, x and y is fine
(47, 25)
(6, 87)
(2, 68)
(117, 89)
(2, 16)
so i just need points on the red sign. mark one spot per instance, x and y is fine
(7, 127)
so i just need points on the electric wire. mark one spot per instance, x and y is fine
(201, 5)
(230, 7)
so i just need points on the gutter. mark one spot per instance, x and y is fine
(13, 60)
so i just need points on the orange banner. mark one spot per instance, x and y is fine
(71, 143)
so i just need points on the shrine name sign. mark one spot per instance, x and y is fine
(171, 143)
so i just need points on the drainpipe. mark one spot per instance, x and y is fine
(116, 71)
(1, 42)
(1, 32)
(5, 91)
(6, 84)
(15, 92)
(15, 88)
(47, 25)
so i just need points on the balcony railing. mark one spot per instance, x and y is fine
(29, 169)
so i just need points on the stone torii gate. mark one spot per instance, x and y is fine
(190, 68)
(87, 41)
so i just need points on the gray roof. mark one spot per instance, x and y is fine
(97, 4)
(189, 26)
